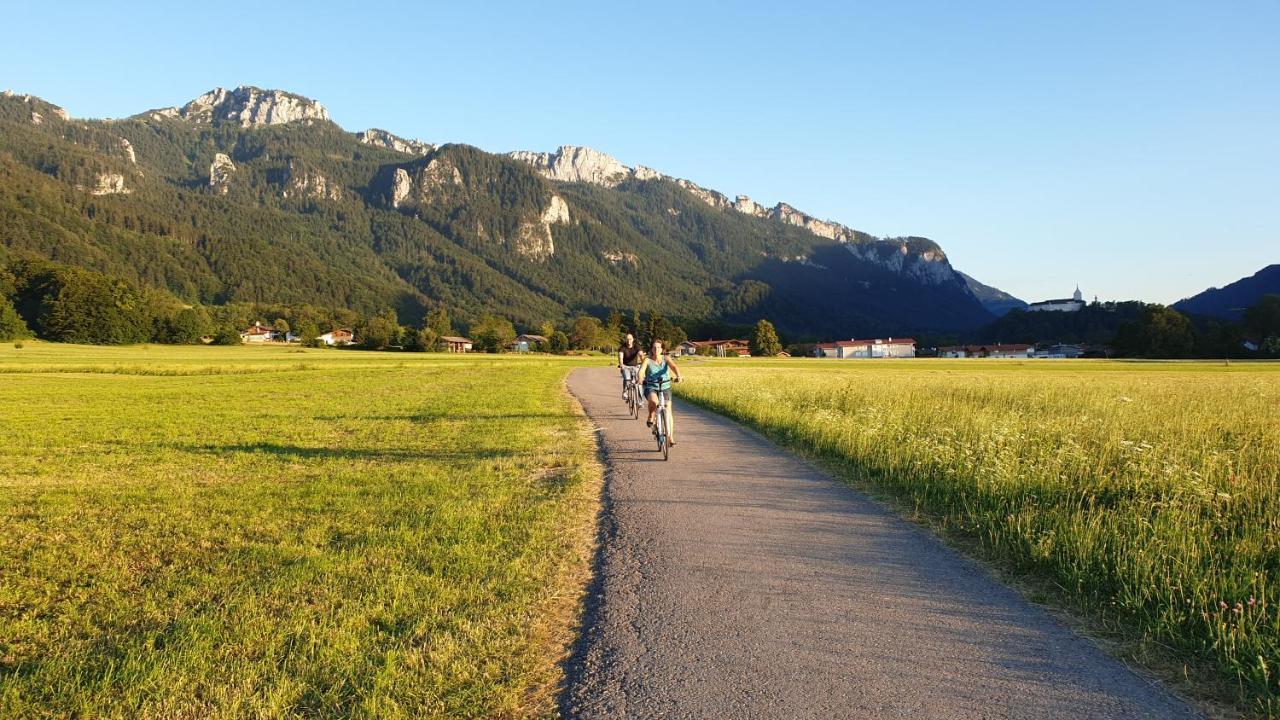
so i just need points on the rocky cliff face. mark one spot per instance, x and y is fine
(247, 107)
(535, 241)
(304, 183)
(383, 139)
(917, 258)
(411, 187)
(220, 172)
(108, 183)
(571, 163)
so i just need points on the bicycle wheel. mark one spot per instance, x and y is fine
(634, 401)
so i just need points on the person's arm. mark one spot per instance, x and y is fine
(672, 364)
(619, 358)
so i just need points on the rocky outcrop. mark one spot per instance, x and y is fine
(535, 241)
(918, 258)
(413, 186)
(747, 206)
(618, 257)
(109, 183)
(247, 107)
(220, 173)
(127, 147)
(571, 163)
(305, 183)
(384, 139)
(715, 199)
(401, 187)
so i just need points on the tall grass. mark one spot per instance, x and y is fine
(1146, 492)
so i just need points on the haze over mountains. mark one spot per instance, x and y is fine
(255, 195)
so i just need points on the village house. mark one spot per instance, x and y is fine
(718, 348)
(996, 350)
(529, 343)
(258, 333)
(869, 348)
(338, 337)
(455, 344)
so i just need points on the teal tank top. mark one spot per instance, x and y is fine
(659, 378)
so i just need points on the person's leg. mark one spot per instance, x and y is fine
(671, 420)
(652, 397)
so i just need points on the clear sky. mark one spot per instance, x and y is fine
(1131, 147)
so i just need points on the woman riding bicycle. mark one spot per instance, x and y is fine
(657, 372)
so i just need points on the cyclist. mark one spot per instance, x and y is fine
(629, 357)
(656, 371)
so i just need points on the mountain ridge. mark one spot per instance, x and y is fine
(1229, 301)
(278, 154)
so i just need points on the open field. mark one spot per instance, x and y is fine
(1142, 495)
(260, 532)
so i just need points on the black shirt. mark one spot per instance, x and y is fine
(630, 355)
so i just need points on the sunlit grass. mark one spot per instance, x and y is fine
(1145, 492)
(259, 532)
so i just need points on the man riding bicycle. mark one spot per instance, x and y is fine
(658, 372)
(629, 357)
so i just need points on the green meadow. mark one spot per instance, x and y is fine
(200, 532)
(1144, 497)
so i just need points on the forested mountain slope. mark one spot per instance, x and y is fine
(254, 195)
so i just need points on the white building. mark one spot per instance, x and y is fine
(1072, 304)
(869, 348)
(997, 350)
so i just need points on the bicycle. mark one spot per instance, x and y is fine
(660, 425)
(634, 398)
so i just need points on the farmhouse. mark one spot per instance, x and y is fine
(997, 350)
(868, 348)
(1072, 304)
(337, 337)
(719, 348)
(454, 344)
(257, 333)
(527, 343)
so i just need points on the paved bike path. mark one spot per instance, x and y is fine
(736, 581)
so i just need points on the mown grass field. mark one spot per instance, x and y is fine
(257, 532)
(1145, 496)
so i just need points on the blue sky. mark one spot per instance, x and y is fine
(1128, 147)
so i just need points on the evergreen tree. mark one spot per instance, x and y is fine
(1263, 319)
(764, 341)
(613, 328)
(438, 322)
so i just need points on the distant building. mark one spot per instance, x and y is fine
(1072, 304)
(528, 343)
(1060, 351)
(869, 348)
(718, 348)
(258, 333)
(339, 336)
(997, 350)
(455, 344)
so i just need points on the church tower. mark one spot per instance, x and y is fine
(1077, 295)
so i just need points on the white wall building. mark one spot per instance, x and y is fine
(1072, 304)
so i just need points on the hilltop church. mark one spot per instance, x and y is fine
(1075, 303)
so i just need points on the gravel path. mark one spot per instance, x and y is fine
(737, 581)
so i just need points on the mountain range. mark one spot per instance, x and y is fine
(1229, 302)
(252, 195)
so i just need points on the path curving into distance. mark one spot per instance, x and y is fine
(736, 581)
